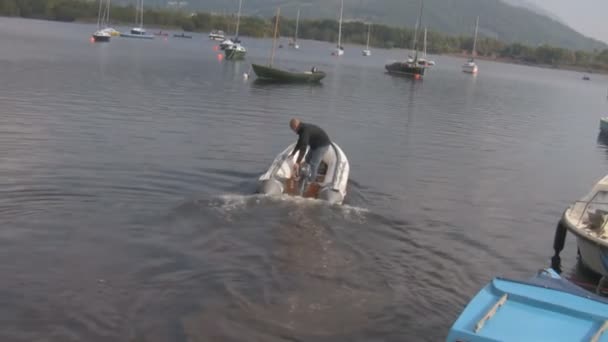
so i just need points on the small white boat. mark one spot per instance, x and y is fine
(587, 219)
(339, 51)
(330, 184)
(226, 43)
(470, 67)
(101, 36)
(217, 35)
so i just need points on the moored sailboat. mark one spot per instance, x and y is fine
(339, 50)
(102, 36)
(294, 43)
(367, 51)
(410, 67)
(424, 61)
(233, 49)
(270, 73)
(138, 31)
(471, 67)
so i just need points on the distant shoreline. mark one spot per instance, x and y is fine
(507, 60)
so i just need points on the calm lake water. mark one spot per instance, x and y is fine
(127, 171)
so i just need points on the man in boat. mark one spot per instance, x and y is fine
(313, 136)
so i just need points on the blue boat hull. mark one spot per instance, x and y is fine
(547, 308)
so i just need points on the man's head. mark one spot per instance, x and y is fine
(294, 124)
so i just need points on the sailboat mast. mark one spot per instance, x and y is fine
(295, 39)
(424, 42)
(238, 19)
(107, 14)
(274, 40)
(419, 23)
(474, 52)
(369, 29)
(99, 15)
(340, 24)
(141, 15)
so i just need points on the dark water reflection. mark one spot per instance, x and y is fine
(127, 171)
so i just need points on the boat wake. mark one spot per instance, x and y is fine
(228, 203)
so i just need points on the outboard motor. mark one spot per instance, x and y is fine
(304, 177)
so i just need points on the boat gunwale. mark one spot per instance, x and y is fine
(578, 231)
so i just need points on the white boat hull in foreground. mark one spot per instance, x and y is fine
(330, 185)
(587, 219)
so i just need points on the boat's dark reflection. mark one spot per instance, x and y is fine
(268, 84)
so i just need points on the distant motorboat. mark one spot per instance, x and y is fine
(586, 78)
(330, 184)
(544, 308)
(217, 35)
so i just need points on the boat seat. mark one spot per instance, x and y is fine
(597, 219)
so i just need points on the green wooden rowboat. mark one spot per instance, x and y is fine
(277, 75)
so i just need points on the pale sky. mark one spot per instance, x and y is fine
(589, 17)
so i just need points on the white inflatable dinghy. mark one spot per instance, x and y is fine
(330, 184)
